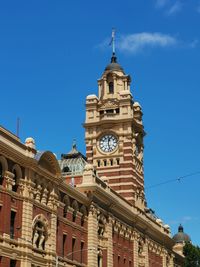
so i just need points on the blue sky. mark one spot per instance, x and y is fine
(53, 52)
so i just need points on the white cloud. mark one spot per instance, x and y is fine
(186, 219)
(175, 8)
(161, 3)
(134, 43)
(198, 8)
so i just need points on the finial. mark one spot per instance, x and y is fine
(74, 148)
(180, 228)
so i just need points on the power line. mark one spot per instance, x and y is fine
(173, 180)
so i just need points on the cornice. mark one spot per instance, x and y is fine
(126, 213)
(74, 193)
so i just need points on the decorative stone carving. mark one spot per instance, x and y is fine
(53, 201)
(38, 193)
(44, 196)
(9, 177)
(93, 210)
(40, 231)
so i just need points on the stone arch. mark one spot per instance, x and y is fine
(17, 171)
(39, 231)
(48, 161)
(3, 168)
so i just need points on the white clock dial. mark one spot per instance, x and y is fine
(108, 143)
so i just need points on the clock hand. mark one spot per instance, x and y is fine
(108, 141)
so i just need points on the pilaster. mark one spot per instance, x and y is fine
(146, 252)
(92, 237)
(135, 252)
(171, 261)
(164, 258)
(110, 243)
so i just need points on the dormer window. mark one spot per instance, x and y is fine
(111, 87)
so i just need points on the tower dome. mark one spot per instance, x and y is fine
(114, 66)
(181, 237)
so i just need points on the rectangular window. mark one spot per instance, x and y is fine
(13, 263)
(110, 111)
(0, 214)
(73, 246)
(64, 245)
(82, 248)
(12, 224)
(99, 261)
(118, 261)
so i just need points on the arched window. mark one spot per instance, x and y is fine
(1, 174)
(111, 87)
(17, 171)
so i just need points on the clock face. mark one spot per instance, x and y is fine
(108, 143)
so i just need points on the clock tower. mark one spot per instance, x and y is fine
(114, 134)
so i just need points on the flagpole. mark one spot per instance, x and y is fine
(113, 41)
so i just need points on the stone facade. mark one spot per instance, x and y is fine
(94, 215)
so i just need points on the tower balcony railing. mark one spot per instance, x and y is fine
(107, 115)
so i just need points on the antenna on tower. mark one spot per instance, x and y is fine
(18, 124)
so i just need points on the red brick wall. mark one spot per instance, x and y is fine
(10, 203)
(155, 260)
(72, 230)
(122, 251)
(104, 257)
(5, 262)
